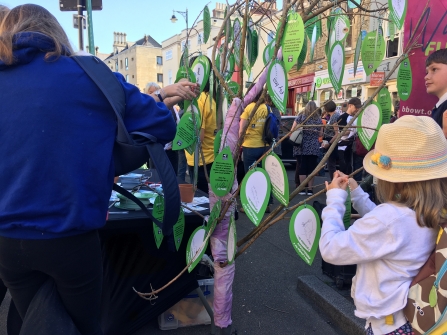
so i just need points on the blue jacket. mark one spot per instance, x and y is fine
(57, 132)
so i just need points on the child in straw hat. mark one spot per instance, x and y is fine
(392, 241)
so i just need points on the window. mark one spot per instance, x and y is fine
(169, 77)
(199, 39)
(121, 64)
(184, 43)
(393, 43)
(116, 66)
(168, 55)
(353, 91)
(270, 36)
(127, 63)
(159, 60)
(127, 77)
(160, 77)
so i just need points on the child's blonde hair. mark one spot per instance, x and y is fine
(427, 198)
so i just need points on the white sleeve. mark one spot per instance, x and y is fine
(361, 202)
(366, 240)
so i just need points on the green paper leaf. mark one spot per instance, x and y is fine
(384, 100)
(196, 248)
(217, 140)
(358, 47)
(233, 86)
(231, 240)
(228, 72)
(373, 51)
(340, 25)
(433, 297)
(313, 43)
(266, 55)
(201, 69)
(157, 212)
(293, 39)
(179, 230)
(206, 24)
(347, 216)
(222, 173)
(186, 134)
(304, 232)
(183, 73)
(370, 117)
(237, 36)
(253, 54)
(184, 58)
(214, 216)
(303, 54)
(255, 194)
(310, 24)
(404, 79)
(277, 85)
(278, 177)
(336, 64)
(398, 10)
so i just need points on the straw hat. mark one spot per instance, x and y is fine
(413, 148)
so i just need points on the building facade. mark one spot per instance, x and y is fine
(139, 62)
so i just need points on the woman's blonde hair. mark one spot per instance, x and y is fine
(32, 18)
(427, 198)
(3, 11)
(311, 106)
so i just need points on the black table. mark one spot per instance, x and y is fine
(131, 259)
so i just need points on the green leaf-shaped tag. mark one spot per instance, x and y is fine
(371, 117)
(433, 297)
(336, 68)
(293, 39)
(303, 54)
(278, 85)
(214, 216)
(266, 55)
(237, 35)
(278, 177)
(186, 129)
(404, 79)
(196, 248)
(183, 73)
(179, 230)
(255, 194)
(341, 26)
(384, 100)
(222, 173)
(233, 86)
(201, 69)
(373, 51)
(398, 10)
(206, 24)
(253, 51)
(217, 140)
(157, 212)
(347, 216)
(358, 47)
(304, 232)
(184, 58)
(231, 240)
(310, 24)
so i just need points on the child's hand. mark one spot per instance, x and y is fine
(340, 182)
(353, 184)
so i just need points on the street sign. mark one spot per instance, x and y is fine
(376, 78)
(75, 22)
(72, 5)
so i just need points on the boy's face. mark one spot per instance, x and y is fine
(436, 79)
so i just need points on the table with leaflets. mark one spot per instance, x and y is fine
(131, 260)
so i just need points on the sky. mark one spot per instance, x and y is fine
(133, 17)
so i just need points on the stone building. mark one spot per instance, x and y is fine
(139, 62)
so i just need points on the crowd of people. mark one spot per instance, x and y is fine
(58, 120)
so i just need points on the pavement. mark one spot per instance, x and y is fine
(274, 291)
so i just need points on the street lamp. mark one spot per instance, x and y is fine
(184, 14)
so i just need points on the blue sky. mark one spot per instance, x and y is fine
(133, 17)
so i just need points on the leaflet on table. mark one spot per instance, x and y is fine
(194, 208)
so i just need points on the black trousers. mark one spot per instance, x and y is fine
(73, 262)
(202, 184)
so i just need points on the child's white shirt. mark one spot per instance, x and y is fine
(388, 247)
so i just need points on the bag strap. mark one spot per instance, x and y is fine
(103, 77)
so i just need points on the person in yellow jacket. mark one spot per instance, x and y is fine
(207, 107)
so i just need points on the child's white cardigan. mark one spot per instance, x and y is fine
(388, 247)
